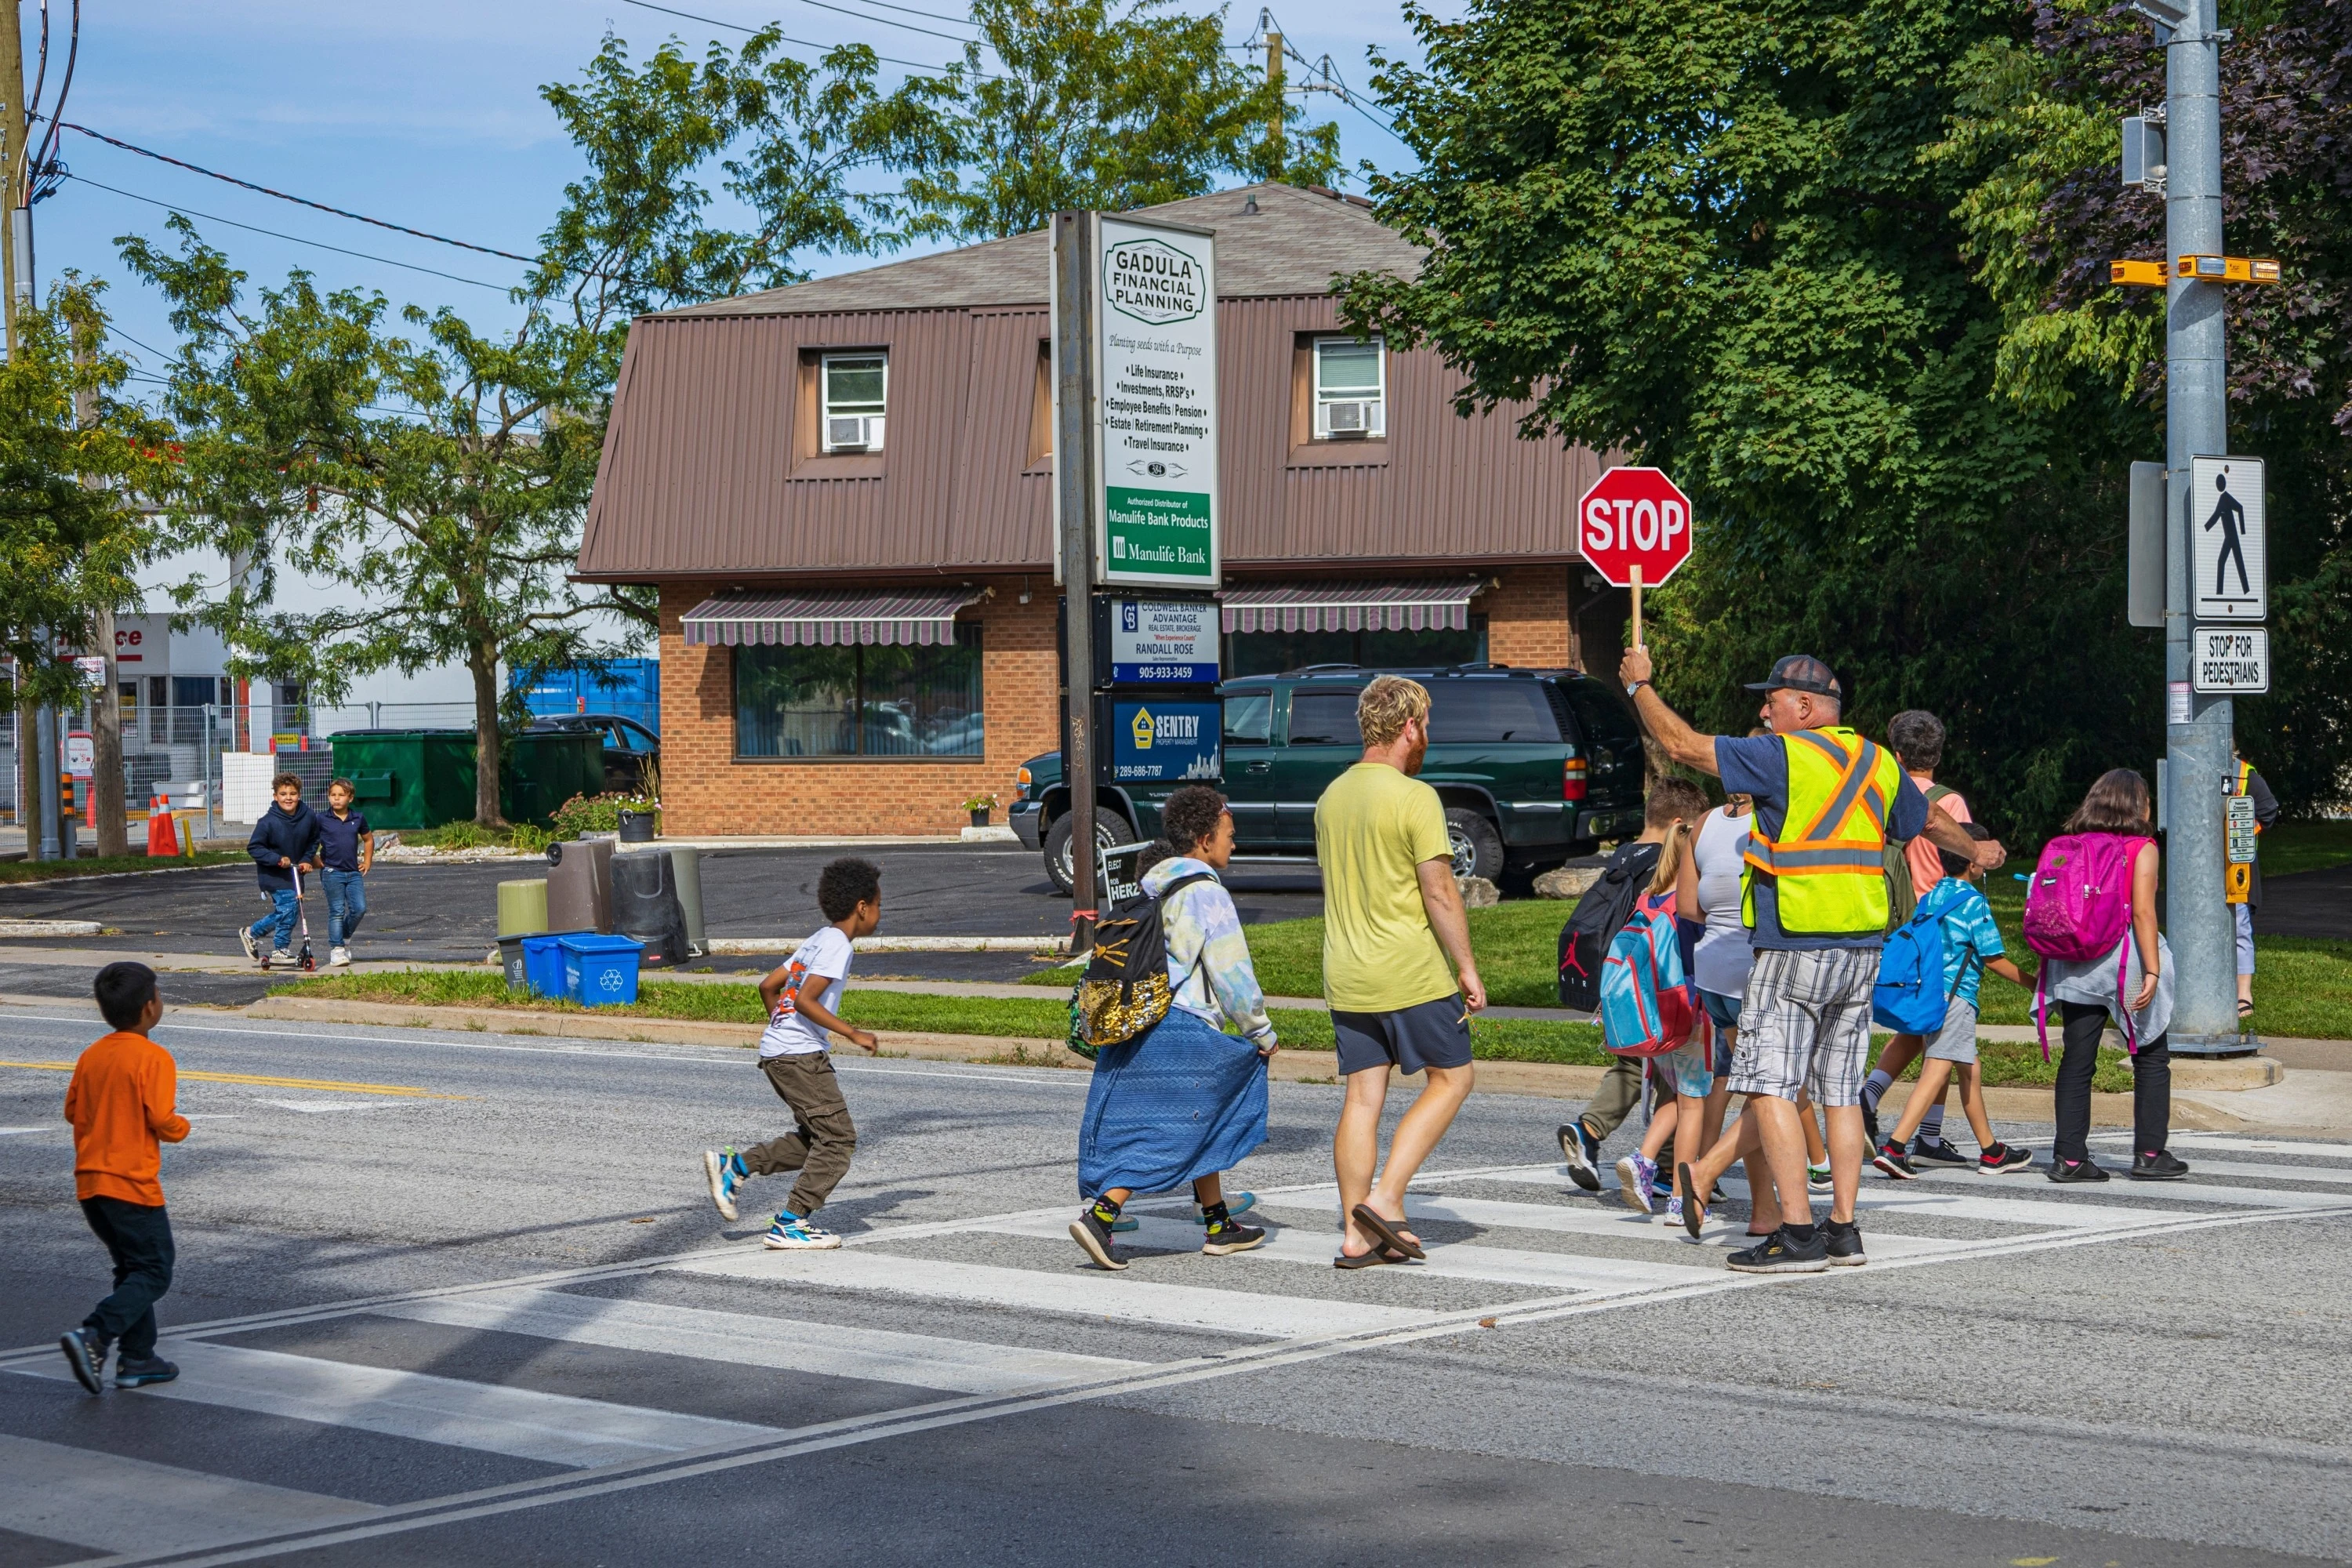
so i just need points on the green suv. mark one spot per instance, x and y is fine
(1534, 766)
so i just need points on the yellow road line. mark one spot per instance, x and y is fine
(267, 1082)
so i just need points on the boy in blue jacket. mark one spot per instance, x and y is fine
(286, 838)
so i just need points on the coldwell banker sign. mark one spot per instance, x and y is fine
(1156, 431)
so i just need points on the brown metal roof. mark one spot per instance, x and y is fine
(1292, 244)
(700, 478)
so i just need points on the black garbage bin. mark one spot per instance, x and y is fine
(646, 904)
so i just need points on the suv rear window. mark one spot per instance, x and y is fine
(1489, 711)
(1249, 716)
(1604, 720)
(1324, 719)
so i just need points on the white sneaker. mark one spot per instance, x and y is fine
(338, 956)
(252, 948)
(798, 1235)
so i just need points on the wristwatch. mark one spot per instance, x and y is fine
(1633, 686)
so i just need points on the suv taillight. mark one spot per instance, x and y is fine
(1571, 779)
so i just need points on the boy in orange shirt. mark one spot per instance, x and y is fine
(120, 1103)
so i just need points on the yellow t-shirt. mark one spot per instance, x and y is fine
(1373, 827)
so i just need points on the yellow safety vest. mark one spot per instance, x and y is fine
(1828, 860)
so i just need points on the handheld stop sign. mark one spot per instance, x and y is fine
(1634, 527)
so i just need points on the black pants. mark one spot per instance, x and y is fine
(2151, 1085)
(139, 1238)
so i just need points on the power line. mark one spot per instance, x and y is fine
(294, 238)
(283, 196)
(799, 43)
(964, 20)
(909, 27)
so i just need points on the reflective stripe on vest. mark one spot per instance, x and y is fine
(1829, 859)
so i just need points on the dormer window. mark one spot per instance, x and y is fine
(855, 389)
(1350, 389)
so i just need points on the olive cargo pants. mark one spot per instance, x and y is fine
(822, 1138)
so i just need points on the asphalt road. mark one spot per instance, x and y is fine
(461, 1299)
(449, 914)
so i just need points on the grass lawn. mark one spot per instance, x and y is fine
(2291, 846)
(106, 865)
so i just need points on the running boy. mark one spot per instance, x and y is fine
(794, 1054)
(119, 1102)
(1971, 942)
(348, 851)
(286, 837)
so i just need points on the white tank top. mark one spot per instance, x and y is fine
(1723, 958)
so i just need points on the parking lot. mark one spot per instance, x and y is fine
(449, 913)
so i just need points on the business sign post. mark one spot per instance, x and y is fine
(1155, 429)
(1162, 642)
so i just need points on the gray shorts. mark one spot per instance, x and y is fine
(1957, 1040)
(1425, 1035)
(2244, 917)
(1805, 1025)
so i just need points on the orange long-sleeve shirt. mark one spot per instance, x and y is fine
(120, 1103)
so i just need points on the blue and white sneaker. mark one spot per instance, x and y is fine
(1239, 1204)
(724, 1167)
(1673, 1214)
(1635, 1172)
(1581, 1150)
(791, 1233)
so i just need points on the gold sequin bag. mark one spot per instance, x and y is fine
(1125, 989)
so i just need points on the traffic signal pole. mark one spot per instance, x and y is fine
(2199, 728)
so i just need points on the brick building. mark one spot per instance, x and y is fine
(843, 490)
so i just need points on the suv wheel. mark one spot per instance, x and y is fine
(1477, 848)
(1110, 828)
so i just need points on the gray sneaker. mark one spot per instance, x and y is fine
(1780, 1253)
(245, 940)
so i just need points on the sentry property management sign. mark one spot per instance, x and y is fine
(1156, 428)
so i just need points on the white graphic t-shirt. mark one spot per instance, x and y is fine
(821, 961)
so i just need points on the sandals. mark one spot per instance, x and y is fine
(2245, 1009)
(1390, 1234)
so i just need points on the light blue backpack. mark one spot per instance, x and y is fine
(1648, 1004)
(1910, 997)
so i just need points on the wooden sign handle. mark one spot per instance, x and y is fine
(1637, 604)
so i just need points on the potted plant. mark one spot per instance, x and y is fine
(980, 806)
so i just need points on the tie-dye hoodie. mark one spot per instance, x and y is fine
(1208, 959)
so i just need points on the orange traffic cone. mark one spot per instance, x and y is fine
(161, 839)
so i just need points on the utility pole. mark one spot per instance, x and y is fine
(1075, 374)
(1274, 87)
(30, 781)
(2198, 727)
(106, 707)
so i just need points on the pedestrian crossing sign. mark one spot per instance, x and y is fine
(2228, 535)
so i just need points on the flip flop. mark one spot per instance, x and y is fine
(1389, 1232)
(1371, 1259)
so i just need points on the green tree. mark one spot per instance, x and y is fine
(440, 479)
(1710, 236)
(73, 456)
(1066, 103)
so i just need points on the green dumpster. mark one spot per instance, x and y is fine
(544, 769)
(409, 778)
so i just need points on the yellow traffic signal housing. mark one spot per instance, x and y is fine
(2228, 268)
(2137, 274)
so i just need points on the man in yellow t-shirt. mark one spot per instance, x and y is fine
(1392, 919)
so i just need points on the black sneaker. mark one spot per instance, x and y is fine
(1891, 1160)
(2159, 1166)
(1092, 1232)
(1780, 1253)
(252, 948)
(85, 1353)
(1870, 1122)
(129, 1373)
(1842, 1239)
(1232, 1235)
(1938, 1152)
(2074, 1171)
(2001, 1159)
(1579, 1148)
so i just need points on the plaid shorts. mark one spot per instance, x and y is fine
(1805, 1025)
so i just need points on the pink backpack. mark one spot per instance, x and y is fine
(2078, 907)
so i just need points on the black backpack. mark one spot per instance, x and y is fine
(1595, 921)
(1125, 988)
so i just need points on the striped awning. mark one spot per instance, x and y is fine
(1414, 604)
(927, 618)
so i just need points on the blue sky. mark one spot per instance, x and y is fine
(424, 112)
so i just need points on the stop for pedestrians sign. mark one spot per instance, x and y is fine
(1634, 526)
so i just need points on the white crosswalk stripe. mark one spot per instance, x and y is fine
(1557, 1251)
(792, 1345)
(116, 1504)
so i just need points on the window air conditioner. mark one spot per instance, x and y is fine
(856, 432)
(1357, 417)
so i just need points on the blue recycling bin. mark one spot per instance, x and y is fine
(601, 971)
(542, 962)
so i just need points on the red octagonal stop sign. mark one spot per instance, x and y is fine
(1634, 517)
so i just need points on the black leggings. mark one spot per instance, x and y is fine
(2151, 1085)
